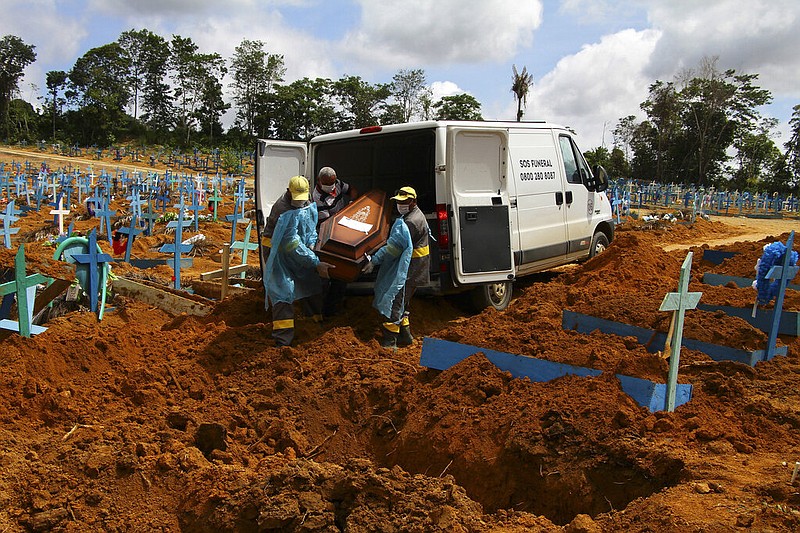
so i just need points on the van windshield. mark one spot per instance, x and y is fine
(384, 161)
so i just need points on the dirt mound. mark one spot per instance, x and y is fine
(147, 421)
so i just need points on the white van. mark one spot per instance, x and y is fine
(503, 199)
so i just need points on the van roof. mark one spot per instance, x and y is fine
(431, 124)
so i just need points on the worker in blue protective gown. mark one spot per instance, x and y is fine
(292, 272)
(404, 265)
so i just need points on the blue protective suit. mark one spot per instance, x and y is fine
(291, 272)
(393, 258)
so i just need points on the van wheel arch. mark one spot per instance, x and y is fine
(496, 295)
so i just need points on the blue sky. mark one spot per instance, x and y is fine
(592, 60)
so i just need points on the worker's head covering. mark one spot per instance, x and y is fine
(405, 194)
(298, 187)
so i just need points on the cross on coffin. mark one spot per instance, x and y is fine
(678, 302)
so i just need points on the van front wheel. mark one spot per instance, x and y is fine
(599, 244)
(496, 295)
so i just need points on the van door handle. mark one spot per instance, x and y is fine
(559, 198)
(569, 197)
(472, 216)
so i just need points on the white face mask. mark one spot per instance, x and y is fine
(403, 208)
(328, 188)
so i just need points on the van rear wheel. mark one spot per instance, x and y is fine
(497, 295)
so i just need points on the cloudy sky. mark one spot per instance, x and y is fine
(592, 60)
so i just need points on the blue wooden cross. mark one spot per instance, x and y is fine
(196, 207)
(245, 245)
(149, 216)
(95, 261)
(9, 217)
(105, 214)
(237, 214)
(135, 203)
(785, 272)
(177, 248)
(25, 288)
(131, 231)
(162, 198)
(678, 302)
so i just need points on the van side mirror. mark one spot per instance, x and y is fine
(600, 179)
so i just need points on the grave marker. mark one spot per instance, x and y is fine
(94, 260)
(25, 288)
(678, 302)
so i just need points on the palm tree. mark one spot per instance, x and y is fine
(522, 82)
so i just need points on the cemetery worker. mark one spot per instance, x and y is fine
(404, 265)
(331, 195)
(292, 269)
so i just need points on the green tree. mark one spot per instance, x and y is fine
(360, 101)
(521, 85)
(191, 72)
(756, 155)
(56, 81)
(408, 86)
(618, 165)
(303, 109)
(458, 107)
(657, 136)
(146, 55)
(15, 56)
(598, 156)
(98, 87)
(623, 134)
(793, 147)
(254, 73)
(717, 106)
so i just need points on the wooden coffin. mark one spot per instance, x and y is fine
(360, 228)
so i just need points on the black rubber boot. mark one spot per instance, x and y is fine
(389, 339)
(404, 338)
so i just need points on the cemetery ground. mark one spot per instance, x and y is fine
(153, 420)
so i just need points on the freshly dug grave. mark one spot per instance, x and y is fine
(146, 421)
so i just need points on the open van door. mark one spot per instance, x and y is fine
(275, 163)
(481, 225)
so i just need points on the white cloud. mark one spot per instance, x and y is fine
(592, 89)
(444, 88)
(752, 36)
(419, 32)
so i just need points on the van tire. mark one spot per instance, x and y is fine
(497, 295)
(599, 244)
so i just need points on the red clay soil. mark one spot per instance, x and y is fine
(146, 421)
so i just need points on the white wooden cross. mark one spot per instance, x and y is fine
(59, 213)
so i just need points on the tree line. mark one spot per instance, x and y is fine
(702, 128)
(145, 88)
(705, 128)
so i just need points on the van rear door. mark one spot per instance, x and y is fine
(481, 225)
(276, 162)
